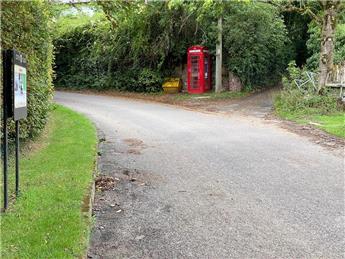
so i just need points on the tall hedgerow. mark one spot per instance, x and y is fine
(135, 47)
(256, 43)
(25, 26)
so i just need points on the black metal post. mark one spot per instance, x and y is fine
(4, 125)
(17, 158)
(5, 151)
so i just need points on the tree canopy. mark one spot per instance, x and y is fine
(133, 45)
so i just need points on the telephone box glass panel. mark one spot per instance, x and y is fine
(195, 72)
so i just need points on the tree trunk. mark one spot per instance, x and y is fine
(327, 41)
(219, 51)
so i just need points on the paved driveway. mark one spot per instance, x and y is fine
(196, 185)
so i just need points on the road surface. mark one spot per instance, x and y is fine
(197, 185)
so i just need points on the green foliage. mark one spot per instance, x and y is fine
(255, 43)
(294, 74)
(334, 124)
(292, 102)
(297, 26)
(313, 45)
(117, 50)
(134, 55)
(25, 26)
(137, 80)
(149, 81)
(74, 62)
(68, 23)
(324, 110)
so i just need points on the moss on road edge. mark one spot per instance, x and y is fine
(48, 220)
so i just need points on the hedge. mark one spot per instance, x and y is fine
(255, 43)
(150, 41)
(25, 26)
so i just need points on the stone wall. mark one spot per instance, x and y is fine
(234, 83)
(181, 72)
(231, 82)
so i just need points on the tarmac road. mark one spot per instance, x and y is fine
(197, 185)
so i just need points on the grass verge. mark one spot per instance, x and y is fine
(47, 220)
(331, 122)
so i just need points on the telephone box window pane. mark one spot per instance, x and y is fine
(195, 72)
(206, 72)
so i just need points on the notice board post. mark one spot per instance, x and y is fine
(14, 106)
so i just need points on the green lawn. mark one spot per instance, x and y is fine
(322, 111)
(47, 220)
(331, 123)
(334, 124)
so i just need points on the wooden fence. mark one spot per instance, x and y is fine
(337, 77)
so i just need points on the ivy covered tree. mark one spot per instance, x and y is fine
(330, 10)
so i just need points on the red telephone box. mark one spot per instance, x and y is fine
(198, 70)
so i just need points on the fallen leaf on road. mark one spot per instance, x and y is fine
(104, 183)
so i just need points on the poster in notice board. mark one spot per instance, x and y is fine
(19, 86)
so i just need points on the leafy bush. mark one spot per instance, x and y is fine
(132, 56)
(139, 44)
(293, 102)
(136, 80)
(75, 63)
(25, 27)
(150, 81)
(255, 43)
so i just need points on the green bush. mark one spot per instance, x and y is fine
(292, 102)
(132, 56)
(255, 43)
(150, 81)
(76, 64)
(25, 27)
(148, 42)
(136, 80)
